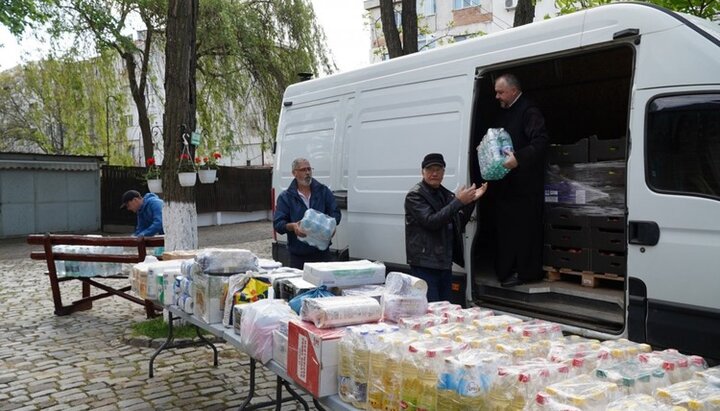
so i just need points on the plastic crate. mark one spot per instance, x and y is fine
(609, 262)
(573, 258)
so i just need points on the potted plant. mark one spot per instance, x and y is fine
(187, 173)
(154, 181)
(208, 168)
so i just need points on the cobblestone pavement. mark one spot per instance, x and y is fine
(80, 362)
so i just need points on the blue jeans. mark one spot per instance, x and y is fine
(439, 282)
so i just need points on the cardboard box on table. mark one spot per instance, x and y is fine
(313, 357)
(344, 273)
(280, 348)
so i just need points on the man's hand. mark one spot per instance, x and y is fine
(466, 195)
(510, 160)
(480, 190)
(295, 228)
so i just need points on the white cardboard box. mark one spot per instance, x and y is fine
(209, 295)
(313, 357)
(344, 273)
(280, 348)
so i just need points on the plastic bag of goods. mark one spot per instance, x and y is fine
(679, 367)
(339, 311)
(580, 353)
(421, 322)
(467, 315)
(440, 307)
(584, 392)
(517, 385)
(536, 330)
(693, 394)
(710, 375)
(615, 351)
(318, 227)
(259, 320)
(226, 260)
(320, 292)
(496, 322)
(640, 402)
(523, 349)
(466, 379)
(492, 153)
(634, 377)
(375, 291)
(383, 389)
(405, 296)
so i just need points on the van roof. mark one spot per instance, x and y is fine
(583, 28)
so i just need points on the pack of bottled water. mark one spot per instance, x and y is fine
(318, 227)
(492, 153)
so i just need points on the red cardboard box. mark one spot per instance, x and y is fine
(313, 357)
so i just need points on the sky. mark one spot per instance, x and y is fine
(342, 21)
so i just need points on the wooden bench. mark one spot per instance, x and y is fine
(141, 244)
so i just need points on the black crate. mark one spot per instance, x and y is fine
(610, 149)
(565, 217)
(607, 240)
(573, 258)
(568, 153)
(612, 223)
(288, 290)
(609, 262)
(567, 236)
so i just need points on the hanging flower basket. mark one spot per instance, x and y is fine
(155, 185)
(207, 176)
(187, 179)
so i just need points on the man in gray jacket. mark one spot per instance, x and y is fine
(434, 217)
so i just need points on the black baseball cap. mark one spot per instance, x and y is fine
(129, 195)
(433, 159)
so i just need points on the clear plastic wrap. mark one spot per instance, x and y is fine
(710, 375)
(467, 315)
(536, 330)
(318, 227)
(640, 402)
(344, 273)
(523, 349)
(694, 394)
(404, 284)
(518, 384)
(492, 153)
(483, 339)
(209, 292)
(258, 321)
(496, 322)
(421, 322)
(466, 379)
(634, 377)
(679, 367)
(450, 330)
(439, 307)
(226, 260)
(405, 296)
(615, 351)
(375, 291)
(584, 392)
(581, 354)
(340, 311)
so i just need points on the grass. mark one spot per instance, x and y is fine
(157, 328)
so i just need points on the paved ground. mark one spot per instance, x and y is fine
(79, 362)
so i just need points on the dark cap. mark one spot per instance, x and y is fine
(433, 159)
(129, 195)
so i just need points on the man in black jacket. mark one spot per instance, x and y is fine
(434, 218)
(518, 198)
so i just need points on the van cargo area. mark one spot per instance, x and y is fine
(585, 100)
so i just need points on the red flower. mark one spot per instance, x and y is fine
(184, 156)
(150, 162)
(216, 155)
(198, 160)
(205, 159)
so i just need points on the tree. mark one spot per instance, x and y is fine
(18, 15)
(524, 12)
(179, 213)
(707, 9)
(409, 17)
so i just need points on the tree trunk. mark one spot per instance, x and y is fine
(524, 13)
(410, 26)
(179, 212)
(390, 30)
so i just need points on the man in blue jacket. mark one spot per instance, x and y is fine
(148, 210)
(304, 192)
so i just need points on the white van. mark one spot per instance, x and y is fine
(631, 90)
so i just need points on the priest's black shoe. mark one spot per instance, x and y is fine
(512, 281)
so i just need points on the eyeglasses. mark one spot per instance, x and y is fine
(305, 170)
(434, 169)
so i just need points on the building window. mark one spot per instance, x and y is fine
(129, 120)
(460, 37)
(425, 7)
(683, 144)
(461, 4)
(426, 42)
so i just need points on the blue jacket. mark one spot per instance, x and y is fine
(149, 217)
(290, 208)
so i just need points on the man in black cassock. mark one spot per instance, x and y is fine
(519, 196)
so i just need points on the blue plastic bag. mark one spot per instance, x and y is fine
(296, 302)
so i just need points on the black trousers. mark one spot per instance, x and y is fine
(298, 261)
(519, 237)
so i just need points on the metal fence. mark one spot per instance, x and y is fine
(237, 189)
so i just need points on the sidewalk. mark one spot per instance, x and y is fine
(79, 362)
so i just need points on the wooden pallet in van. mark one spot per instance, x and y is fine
(587, 278)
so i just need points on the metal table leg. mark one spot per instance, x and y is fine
(166, 344)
